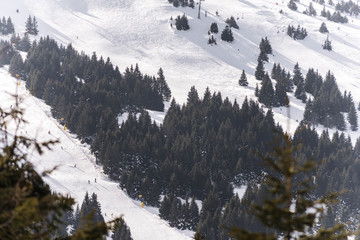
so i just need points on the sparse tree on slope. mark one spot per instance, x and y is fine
(323, 28)
(327, 44)
(292, 5)
(243, 80)
(227, 35)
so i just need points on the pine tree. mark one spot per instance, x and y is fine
(29, 25)
(327, 44)
(323, 12)
(300, 92)
(266, 94)
(182, 23)
(263, 57)
(24, 44)
(292, 5)
(231, 22)
(163, 88)
(298, 77)
(311, 11)
(121, 231)
(226, 34)
(212, 40)
(191, 4)
(265, 46)
(280, 95)
(214, 28)
(243, 80)
(259, 72)
(17, 66)
(352, 118)
(285, 208)
(35, 29)
(323, 28)
(9, 26)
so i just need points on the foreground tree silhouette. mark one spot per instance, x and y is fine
(286, 212)
(28, 208)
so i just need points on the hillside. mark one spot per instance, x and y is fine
(134, 31)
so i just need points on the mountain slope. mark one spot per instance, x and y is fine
(76, 166)
(134, 31)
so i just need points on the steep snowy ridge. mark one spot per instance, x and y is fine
(138, 31)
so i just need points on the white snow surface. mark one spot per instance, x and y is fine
(138, 31)
(72, 179)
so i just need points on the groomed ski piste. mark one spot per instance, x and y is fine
(137, 31)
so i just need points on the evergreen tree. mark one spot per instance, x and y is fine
(311, 11)
(193, 214)
(231, 22)
(323, 12)
(285, 211)
(292, 5)
(327, 44)
(176, 3)
(191, 4)
(243, 80)
(212, 40)
(181, 23)
(121, 231)
(29, 25)
(226, 34)
(214, 28)
(266, 94)
(265, 46)
(263, 57)
(9, 26)
(323, 28)
(24, 44)
(280, 95)
(35, 29)
(298, 77)
(17, 66)
(300, 92)
(163, 88)
(352, 118)
(259, 72)
(164, 210)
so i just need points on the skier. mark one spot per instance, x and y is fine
(89, 181)
(75, 165)
(95, 179)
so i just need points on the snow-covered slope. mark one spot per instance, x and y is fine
(138, 31)
(76, 166)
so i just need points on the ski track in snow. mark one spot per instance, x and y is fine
(137, 31)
